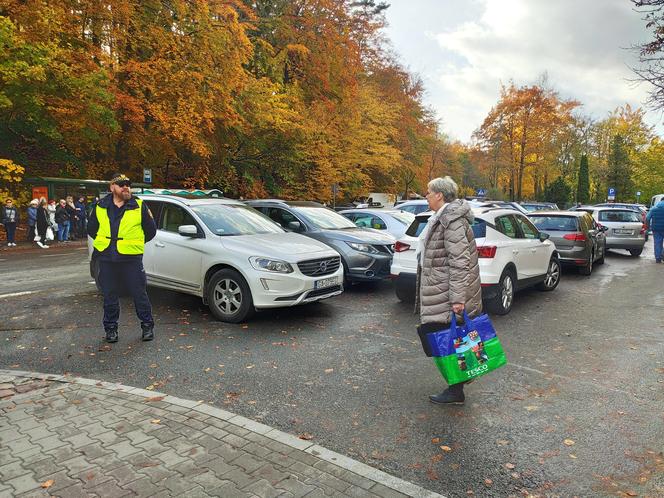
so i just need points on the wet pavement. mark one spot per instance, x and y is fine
(578, 410)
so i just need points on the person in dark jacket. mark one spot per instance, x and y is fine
(81, 209)
(62, 219)
(73, 218)
(655, 220)
(32, 219)
(10, 219)
(120, 226)
(42, 223)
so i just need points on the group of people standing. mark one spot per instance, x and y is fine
(47, 220)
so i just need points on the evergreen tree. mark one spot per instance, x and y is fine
(583, 185)
(559, 192)
(619, 176)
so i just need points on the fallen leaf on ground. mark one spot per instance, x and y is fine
(432, 475)
(251, 366)
(631, 493)
(502, 442)
(572, 456)
(488, 482)
(445, 448)
(510, 466)
(47, 484)
(155, 420)
(154, 398)
(532, 408)
(435, 440)
(207, 369)
(329, 370)
(306, 436)
(569, 442)
(436, 458)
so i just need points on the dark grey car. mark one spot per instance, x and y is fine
(365, 253)
(579, 240)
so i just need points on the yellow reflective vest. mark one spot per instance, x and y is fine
(131, 238)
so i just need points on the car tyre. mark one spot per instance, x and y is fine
(600, 260)
(636, 252)
(552, 278)
(229, 296)
(588, 268)
(502, 303)
(405, 293)
(94, 272)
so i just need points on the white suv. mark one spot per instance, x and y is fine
(513, 255)
(234, 257)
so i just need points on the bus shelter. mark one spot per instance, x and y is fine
(60, 188)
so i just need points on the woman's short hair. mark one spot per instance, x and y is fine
(445, 186)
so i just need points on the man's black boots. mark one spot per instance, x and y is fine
(111, 334)
(148, 331)
(453, 395)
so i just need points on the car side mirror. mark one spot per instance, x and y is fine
(188, 230)
(293, 226)
(603, 229)
(543, 236)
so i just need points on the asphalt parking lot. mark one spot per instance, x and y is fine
(578, 410)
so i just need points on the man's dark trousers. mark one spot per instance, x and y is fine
(116, 277)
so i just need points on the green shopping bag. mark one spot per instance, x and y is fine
(462, 353)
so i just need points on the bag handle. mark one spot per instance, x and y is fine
(464, 327)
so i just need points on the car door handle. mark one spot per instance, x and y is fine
(159, 244)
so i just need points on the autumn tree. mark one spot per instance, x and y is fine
(519, 131)
(651, 61)
(619, 172)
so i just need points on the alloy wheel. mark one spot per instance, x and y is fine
(228, 296)
(507, 294)
(553, 274)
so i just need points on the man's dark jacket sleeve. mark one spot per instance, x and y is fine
(148, 223)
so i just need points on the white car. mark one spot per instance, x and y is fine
(513, 255)
(234, 257)
(391, 221)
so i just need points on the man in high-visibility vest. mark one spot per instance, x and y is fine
(120, 226)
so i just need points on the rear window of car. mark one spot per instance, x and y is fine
(555, 223)
(619, 216)
(417, 227)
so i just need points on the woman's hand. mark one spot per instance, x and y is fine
(458, 307)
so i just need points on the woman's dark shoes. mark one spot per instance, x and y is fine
(111, 335)
(148, 331)
(449, 396)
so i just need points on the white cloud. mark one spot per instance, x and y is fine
(581, 44)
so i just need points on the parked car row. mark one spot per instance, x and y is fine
(240, 257)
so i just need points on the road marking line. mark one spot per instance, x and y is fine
(14, 294)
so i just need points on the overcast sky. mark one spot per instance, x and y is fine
(464, 49)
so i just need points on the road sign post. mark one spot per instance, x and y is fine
(147, 175)
(611, 194)
(638, 196)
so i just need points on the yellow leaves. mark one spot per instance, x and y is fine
(48, 484)
(10, 171)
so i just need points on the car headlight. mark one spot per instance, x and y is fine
(363, 247)
(273, 265)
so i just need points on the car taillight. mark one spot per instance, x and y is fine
(575, 236)
(401, 247)
(486, 251)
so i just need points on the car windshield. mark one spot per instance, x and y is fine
(619, 216)
(555, 223)
(534, 207)
(325, 218)
(403, 217)
(235, 219)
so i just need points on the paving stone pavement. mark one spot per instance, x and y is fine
(68, 437)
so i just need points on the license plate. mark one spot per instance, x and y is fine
(326, 282)
(622, 232)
